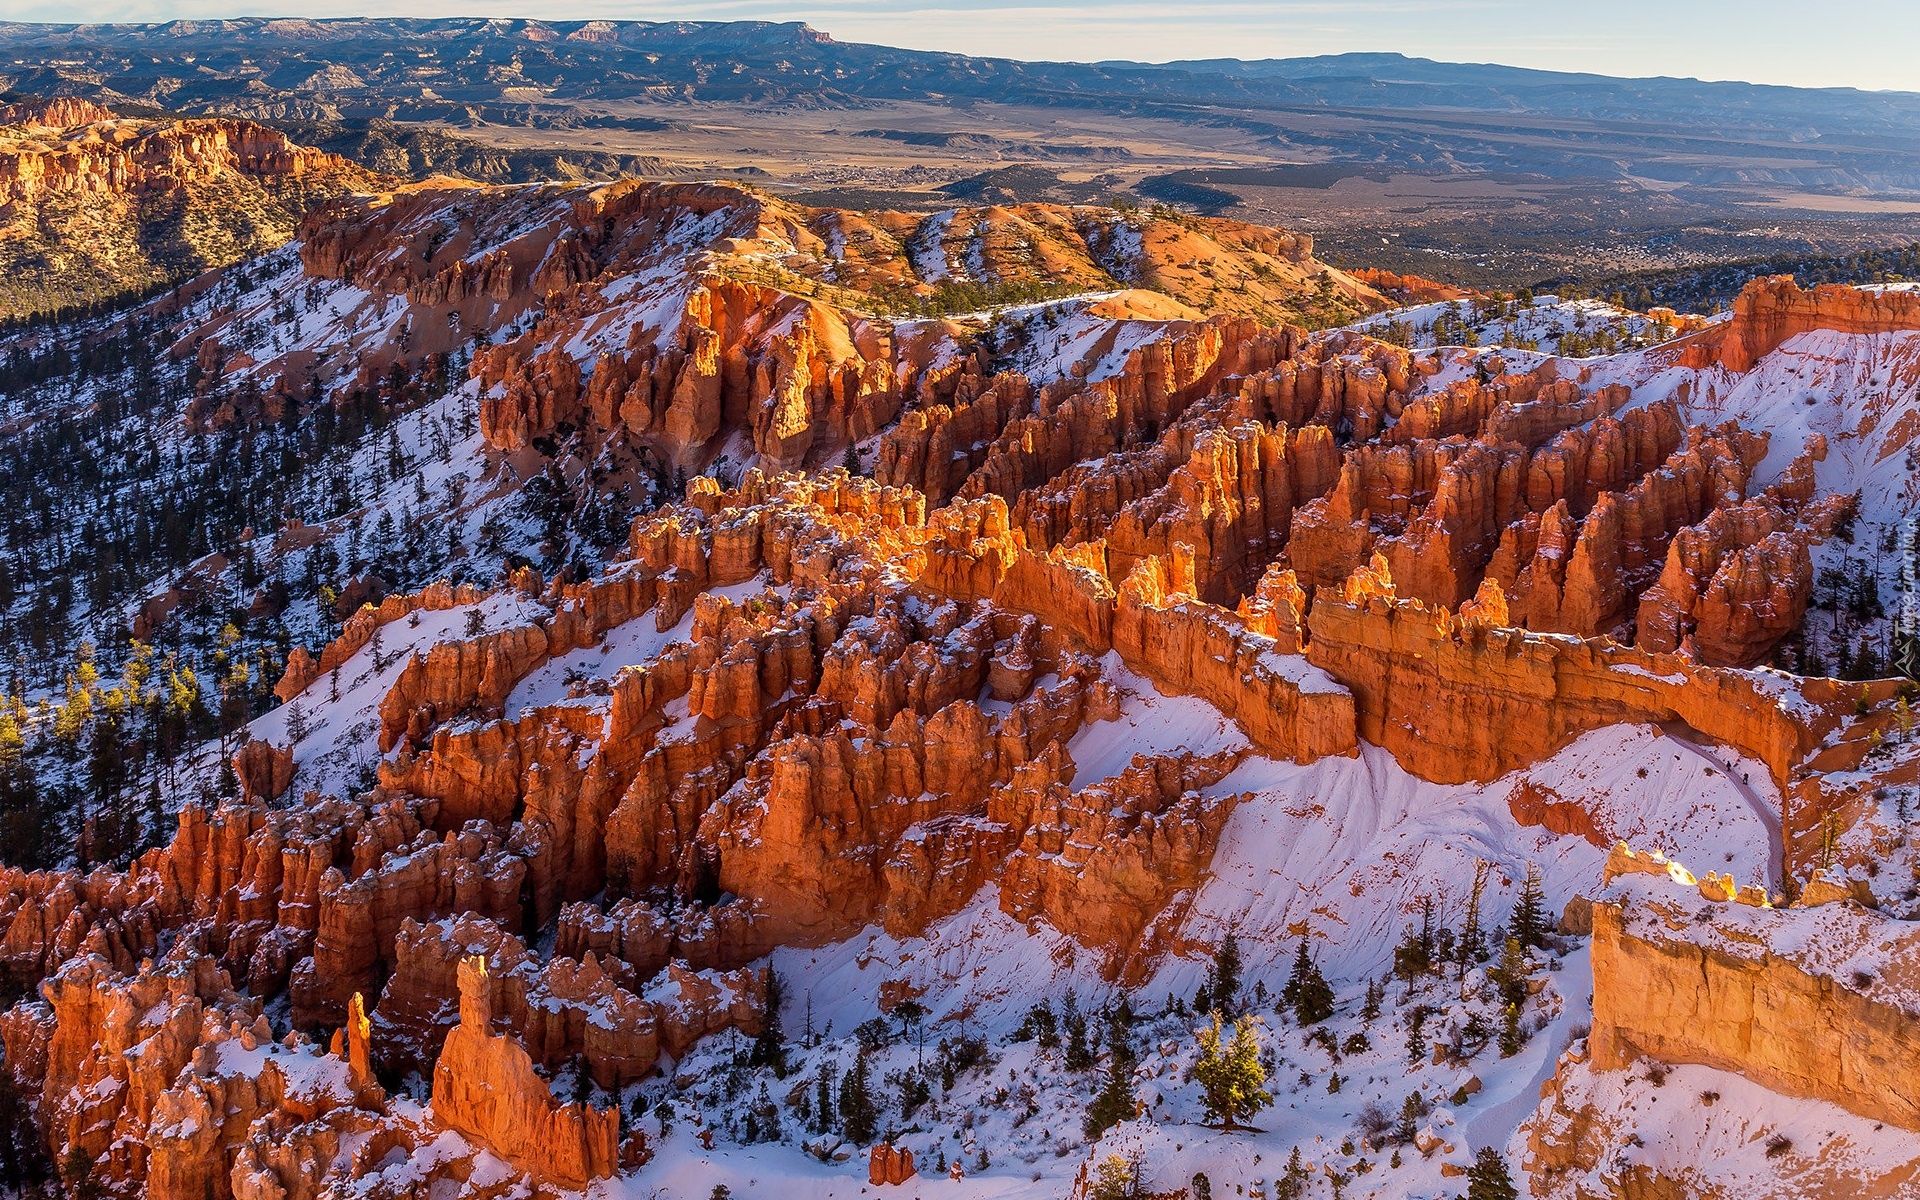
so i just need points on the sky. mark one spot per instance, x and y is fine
(1828, 43)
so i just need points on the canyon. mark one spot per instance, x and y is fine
(1000, 570)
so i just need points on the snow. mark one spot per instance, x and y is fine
(1545, 324)
(1839, 941)
(342, 740)
(1712, 1130)
(929, 251)
(1295, 669)
(637, 641)
(1149, 724)
(1344, 851)
(1056, 336)
(1350, 847)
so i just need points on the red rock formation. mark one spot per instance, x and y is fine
(402, 872)
(120, 157)
(1456, 700)
(61, 112)
(1768, 312)
(887, 1164)
(264, 770)
(1584, 582)
(565, 1010)
(1738, 582)
(1231, 503)
(1408, 289)
(485, 1087)
(1671, 989)
(1286, 706)
(1105, 864)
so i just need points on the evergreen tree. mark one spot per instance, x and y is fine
(1510, 976)
(23, 1161)
(1292, 1184)
(1370, 1009)
(1223, 984)
(1512, 1037)
(823, 1100)
(859, 1115)
(763, 1118)
(1302, 965)
(1115, 1102)
(770, 1048)
(1232, 1082)
(29, 826)
(1040, 1027)
(1529, 915)
(1413, 957)
(1079, 1057)
(1488, 1177)
(1417, 1035)
(1411, 1110)
(1313, 1002)
(1470, 949)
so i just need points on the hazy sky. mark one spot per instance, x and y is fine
(1826, 43)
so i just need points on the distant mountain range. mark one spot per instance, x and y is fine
(1373, 108)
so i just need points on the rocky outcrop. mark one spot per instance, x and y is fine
(119, 157)
(485, 1087)
(1106, 864)
(263, 769)
(1456, 700)
(1768, 312)
(889, 1164)
(303, 667)
(1737, 583)
(1287, 707)
(579, 1011)
(159, 1076)
(1828, 1022)
(94, 205)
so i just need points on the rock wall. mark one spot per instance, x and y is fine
(1768, 312)
(1462, 700)
(1802, 1023)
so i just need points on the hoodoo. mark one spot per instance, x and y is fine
(681, 688)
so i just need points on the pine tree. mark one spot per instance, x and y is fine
(1313, 1001)
(1410, 1114)
(859, 1115)
(1115, 1102)
(1078, 1057)
(1292, 1184)
(823, 1100)
(1417, 1035)
(297, 727)
(770, 1048)
(1512, 1037)
(1470, 949)
(1370, 1010)
(1488, 1177)
(1409, 958)
(1224, 982)
(1529, 915)
(1511, 973)
(1302, 964)
(1231, 1083)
